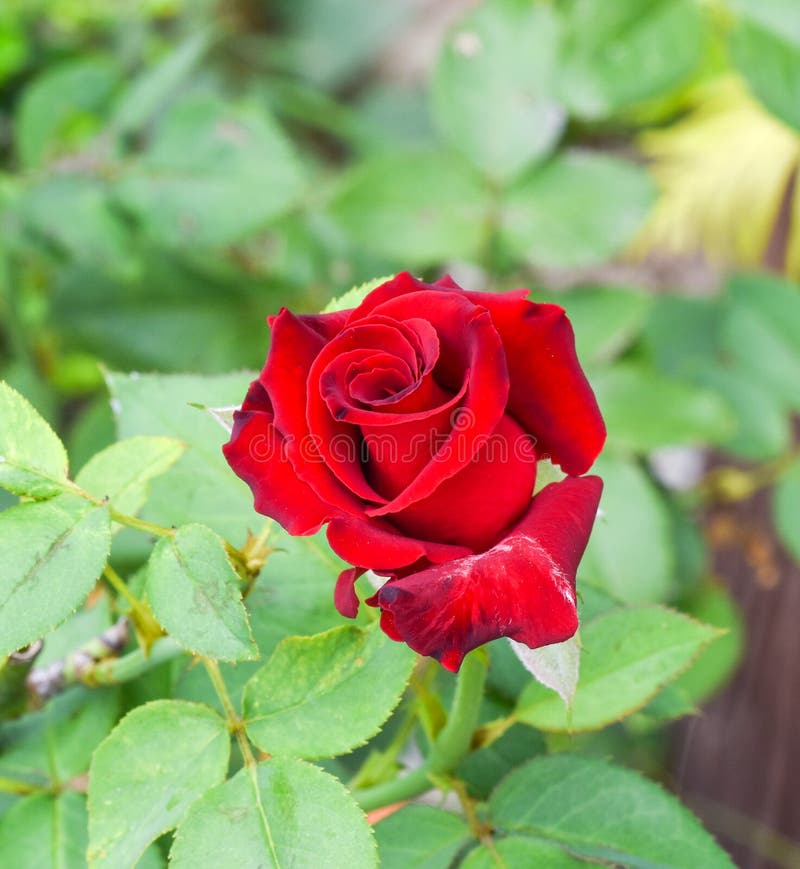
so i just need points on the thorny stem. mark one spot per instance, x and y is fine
(451, 746)
(235, 723)
(91, 666)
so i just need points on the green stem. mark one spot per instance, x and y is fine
(120, 587)
(113, 671)
(141, 524)
(235, 723)
(13, 786)
(452, 744)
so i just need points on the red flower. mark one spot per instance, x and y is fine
(412, 425)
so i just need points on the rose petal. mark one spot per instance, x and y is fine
(257, 453)
(471, 351)
(326, 325)
(522, 588)
(375, 545)
(345, 598)
(549, 394)
(400, 285)
(482, 500)
(295, 346)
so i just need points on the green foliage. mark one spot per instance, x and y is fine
(421, 837)
(122, 472)
(492, 92)
(194, 592)
(516, 851)
(602, 812)
(416, 208)
(713, 605)
(45, 830)
(145, 775)
(54, 552)
(214, 174)
(62, 109)
(630, 554)
(55, 744)
(199, 488)
(627, 656)
(765, 45)
(34, 461)
(325, 695)
(615, 55)
(576, 210)
(270, 816)
(644, 411)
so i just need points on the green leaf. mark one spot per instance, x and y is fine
(194, 592)
(713, 605)
(215, 173)
(420, 837)
(492, 87)
(484, 768)
(763, 428)
(786, 508)
(556, 666)
(200, 487)
(765, 47)
(147, 95)
(415, 209)
(644, 410)
(53, 552)
(628, 655)
(61, 108)
(671, 703)
(576, 210)
(604, 812)
(615, 55)
(123, 471)
(33, 460)
(270, 816)
(45, 830)
(354, 297)
(517, 851)
(55, 743)
(760, 333)
(325, 695)
(155, 763)
(630, 553)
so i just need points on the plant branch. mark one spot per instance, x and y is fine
(452, 744)
(92, 664)
(235, 723)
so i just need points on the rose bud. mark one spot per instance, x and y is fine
(412, 425)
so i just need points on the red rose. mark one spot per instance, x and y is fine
(412, 425)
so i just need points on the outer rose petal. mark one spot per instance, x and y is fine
(549, 394)
(256, 452)
(345, 598)
(523, 587)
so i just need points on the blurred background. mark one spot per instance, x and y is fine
(173, 170)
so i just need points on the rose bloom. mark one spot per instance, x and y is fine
(412, 426)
